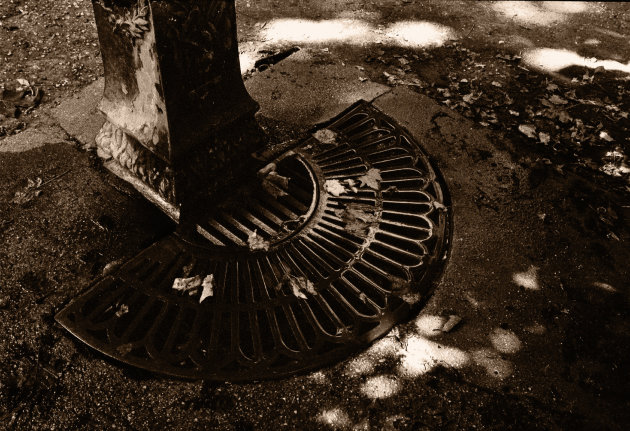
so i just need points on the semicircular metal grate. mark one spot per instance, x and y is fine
(303, 271)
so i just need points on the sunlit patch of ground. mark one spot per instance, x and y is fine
(429, 325)
(365, 363)
(422, 355)
(505, 341)
(310, 31)
(415, 354)
(335, 418)
(318, 377)
(416, 34)
(539, 13)
(247, 60)
(554, 60)
(492, 362)
(536, 329)
(378, 387)
(527, 279)
(409, 34)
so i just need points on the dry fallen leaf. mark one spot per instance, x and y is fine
(298, 285)
(411, 298)
(112, 266)
(334, 187)
(30, 192)
(557, 100)
(187, 285)
(256, 242)
(439, 206)
(272, 182)
(452, 321)
(355, 211)
(352, 184)
(358, 218)
(23, 83)
(605, 136)
(276, 185)
(552, 87)
(544, 137)
(191, 285)
(186, 270)
(124, 349)
(326, 136)
(372, 179)
(564, 117)
(122, 310)
(528, 130)
(208, 288)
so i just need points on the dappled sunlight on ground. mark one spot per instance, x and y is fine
(416, 34)
(310, 31)
(429, 325)
(318, 377)
(605, 286)
(567, 7)
(539, 13)
(361, 366)
(554, 60)
(415, 354)
(247, 61)
(364, 364)
(505, 341)
(528, 279)
(335, 418)
(536, 329)
(414, 351)
(492, 362)
(378, 387)
(409, 34)
(388, 346)
(422, 355)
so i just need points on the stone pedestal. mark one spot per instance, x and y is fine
(179, 120)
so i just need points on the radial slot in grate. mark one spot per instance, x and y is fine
(328, 275)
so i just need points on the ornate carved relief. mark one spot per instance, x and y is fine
(113, 143)
(134, 23)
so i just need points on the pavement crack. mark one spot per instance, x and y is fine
(270, 60)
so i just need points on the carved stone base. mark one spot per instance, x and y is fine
(128, 159)
(206, 174)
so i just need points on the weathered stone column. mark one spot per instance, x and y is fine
(180, 122)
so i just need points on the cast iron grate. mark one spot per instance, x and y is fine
(329, 275)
